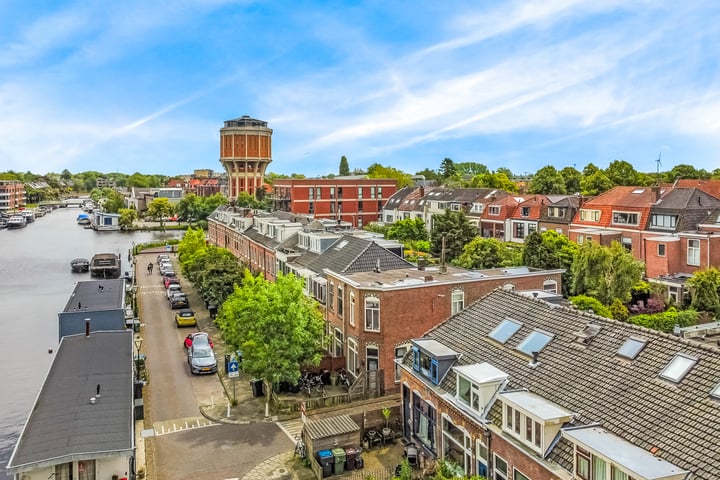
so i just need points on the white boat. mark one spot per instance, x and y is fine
(17, 221)
(29, 216)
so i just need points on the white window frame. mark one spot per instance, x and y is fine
(369, 357)
(340, 300)
(351, 316)
(623, 218)
(372, 324)
(522, 476)
(400, 352)
(693, 252)
(473, 402)
(457, 302)
(587, 215)
(338, 340)
(352, 356)
(550, 286)
(514, 423)
(494, 210)
(496, 474)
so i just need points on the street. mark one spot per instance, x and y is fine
(184, 444)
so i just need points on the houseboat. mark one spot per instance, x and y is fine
(29, 216)
(80, 265)
(105, 265)
(105, 222)
(17, 221)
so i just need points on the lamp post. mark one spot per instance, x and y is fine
(134, 290)
(138, 343)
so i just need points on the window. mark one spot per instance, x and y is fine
(458, 301)
(525, 212)
(661, 249)
(505, 330)
(338, 344)
(590, 215)
(494, 210)
(311, 193)
(86, 469)
(556, 212)
(332, 192)
(400, 352)
(63, 471)
(668, 222)
(550, 286)
(678, 367)
(372, 355)
(469, 393)
(631, 348)
(372, 192)
(534, 342)
(693, 252)
(379, 192)
(625, 218)
(519, 230)
(372, 314)
(481, 454)
(317, 193)
(592, 467)
(331, 296)
(352, 309)
(501, 468)
(599, 468)
(519, 476)
(582, 464)
(340, 301)
(359, 192)
(352, 356)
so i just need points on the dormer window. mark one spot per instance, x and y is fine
(476, 384)
(432, 359)
(531, 419)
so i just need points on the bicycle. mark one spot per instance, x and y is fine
(299, 447)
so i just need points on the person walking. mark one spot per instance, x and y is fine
(150, 268)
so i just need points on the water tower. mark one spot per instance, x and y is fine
(245, 152)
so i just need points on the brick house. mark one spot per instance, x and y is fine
(558, 212)
(525, 218)
(12, 195)
(515, 388)
(495, 219)
(372, 314)
(356, 200)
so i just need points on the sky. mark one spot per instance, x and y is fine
(145, 86)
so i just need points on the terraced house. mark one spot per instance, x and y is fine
(516, 388)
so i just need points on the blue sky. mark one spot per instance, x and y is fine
(145, 86)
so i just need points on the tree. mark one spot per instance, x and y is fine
(408, 229)
(487, 253)
(127, 218)
(583, 302)
(159, 209)
(684, 171)
(275, 325)
(457, 231)
(429, 174)
(547, 181)
(572, 179)
(549, 251)
(66, 175)
(595, 184)
(470, 169)
(447, 168)
(344, 166)
(704, 286)
(378, 171)
(605, 273)
(621, 172)
(494, 180)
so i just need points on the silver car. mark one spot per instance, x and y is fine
(201, 359)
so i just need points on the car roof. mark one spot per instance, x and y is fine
(186, 310)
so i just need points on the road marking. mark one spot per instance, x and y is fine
(181, 424)
(292, 428)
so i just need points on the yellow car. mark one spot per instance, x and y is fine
(185, 318)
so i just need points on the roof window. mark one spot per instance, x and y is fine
(505, 330)
(678, 367)
(535, 342)
(588, 333)
(631, 348)
(715, 392)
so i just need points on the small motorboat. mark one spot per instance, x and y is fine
(83, 219)
(80, 265)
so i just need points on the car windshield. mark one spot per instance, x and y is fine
(186, 314)
(200, 340)
(203, 352)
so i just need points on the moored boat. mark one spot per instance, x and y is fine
(83, 219)
(80, 265)
(29, 216)
(105, 265)
(3, 223)
(17, 221)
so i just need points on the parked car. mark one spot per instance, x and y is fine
(173, 288)
(201, 359)
(198, 338)
(167, 281)
(163, 257)
(165, 267)
(185, 318)
(179, 300)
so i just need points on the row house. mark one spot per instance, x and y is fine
(557, 212)
(515, 388)
(12, 195)
(407, 203)
(373, 313)
(356, 200)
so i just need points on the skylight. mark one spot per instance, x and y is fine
(534, 342)
(638, 190)
(341, 244)
(715, 392)
(505, 330)
(631, 348)
(678, 367)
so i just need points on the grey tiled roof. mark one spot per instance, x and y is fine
(64, 425)
(351, 254)
(260, 239)
(691, 205)
(627, 398)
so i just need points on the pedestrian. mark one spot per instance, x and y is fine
(150, 268)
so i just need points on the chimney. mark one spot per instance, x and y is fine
(97, 394)
(87, 327)
(656, 191)
(428, 278)
(535, 362)
(422, 191)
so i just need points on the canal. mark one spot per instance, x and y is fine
(36, 283)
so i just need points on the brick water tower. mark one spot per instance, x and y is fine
(245, 152)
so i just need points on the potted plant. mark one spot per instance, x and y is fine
(386, 431)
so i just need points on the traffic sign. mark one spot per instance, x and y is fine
(233, 369)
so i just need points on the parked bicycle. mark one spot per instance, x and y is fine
(299, 447)
(343, 378)
(312, 382)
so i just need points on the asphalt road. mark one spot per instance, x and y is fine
(185, 444)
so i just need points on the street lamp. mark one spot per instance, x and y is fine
(138, 343)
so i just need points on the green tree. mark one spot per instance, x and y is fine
(684, 171)
(666, 321)
(275, 325)
(408, 229)
(483, 253)
(159, 209)
(595, 184)
(455, 229)
(547, 181)
(344, 166)
(494, 180)
(605, 273)
(583, 302)
(447, 168)
(432, 175)
(378, 171)
(127, 218)
(66, 175)
(470, 169)
(549, 251)
(704, 286)
(621, 172)
(572, 179)
(114, 201)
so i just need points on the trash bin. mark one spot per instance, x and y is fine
(325, 457)
(350, 458)
(339, 455)
(359, 462)
(212, 310)
(257, 388)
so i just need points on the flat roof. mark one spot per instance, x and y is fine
(638, 462)
(481, 372)
(435, 348)
(63, 424)
(97, 295)
(536, 405)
